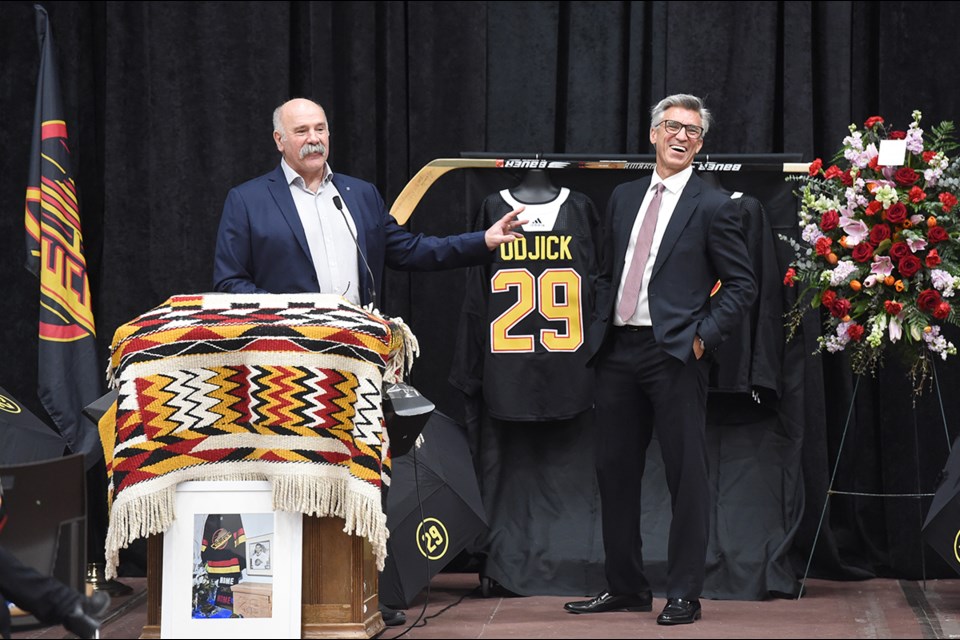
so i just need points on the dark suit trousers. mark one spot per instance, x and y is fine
(641, 390)
(48, 599)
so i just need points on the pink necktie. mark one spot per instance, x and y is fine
(631, 286)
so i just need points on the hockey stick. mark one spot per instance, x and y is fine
(411, 195)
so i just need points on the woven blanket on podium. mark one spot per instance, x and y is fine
(284, 388)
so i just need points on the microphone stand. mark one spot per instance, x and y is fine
(338, 203)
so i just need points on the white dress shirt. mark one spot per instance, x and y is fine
(672, 188)
(331, 241)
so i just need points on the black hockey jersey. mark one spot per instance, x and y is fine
(223, 550)
(522, 331)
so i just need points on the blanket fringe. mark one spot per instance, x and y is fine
(138, 518)
(362, 515)
(151, 514)
(405, 352)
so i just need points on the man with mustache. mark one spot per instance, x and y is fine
(292, 230)
(668, 239)
(304, 229)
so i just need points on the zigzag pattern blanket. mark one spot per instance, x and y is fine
(285, 388)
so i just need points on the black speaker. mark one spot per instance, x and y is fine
(405, 412)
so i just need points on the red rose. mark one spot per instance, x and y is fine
(855, 332)
(815, 166)
(905, 176)
(897, 213)
(898, 250)
(873, 207)
(909, 265)
(917, 195)
(823, 245)
(933, 258)
(846, 178)
(949, 201)
(891, 307)
(928, 156)
(871, 121)
(937, 234)
(829, 220)
(928, 299)
(833, 171)
(897, 135)
(942, 311)
(873, 164)
(879, 233)
(788, 278)
(828, 297)
(863, 252)
(840, 307)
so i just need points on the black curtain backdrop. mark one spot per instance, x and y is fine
(169, 106)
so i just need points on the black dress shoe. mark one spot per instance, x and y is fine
(609, 602)
(392, 617)
(679, 611)
(87, 615)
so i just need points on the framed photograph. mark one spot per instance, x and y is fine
(231, 565)
(258, 555)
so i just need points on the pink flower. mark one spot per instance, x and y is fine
(882, 266)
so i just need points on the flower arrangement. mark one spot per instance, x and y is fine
(879, 246)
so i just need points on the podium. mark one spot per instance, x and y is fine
(339, 594)
(281, 388)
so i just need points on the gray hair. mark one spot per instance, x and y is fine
(684, 101)
(278, 121)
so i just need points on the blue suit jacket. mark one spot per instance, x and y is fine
(262, 248)
(703, 242)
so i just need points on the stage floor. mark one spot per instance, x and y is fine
(877, 608)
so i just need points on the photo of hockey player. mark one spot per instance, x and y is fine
(258, 555)
(222, 559)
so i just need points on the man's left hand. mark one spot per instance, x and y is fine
(504, 229)
(698, 349)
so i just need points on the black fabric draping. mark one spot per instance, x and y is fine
(168, 106)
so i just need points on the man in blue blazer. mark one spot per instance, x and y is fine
(668, 238)
(302, 228)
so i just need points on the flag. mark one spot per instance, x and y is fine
(68, 375)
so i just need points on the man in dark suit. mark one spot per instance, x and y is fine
(297, 229)
(303, 229)
(668, 238)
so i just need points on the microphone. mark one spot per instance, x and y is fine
(338, 203)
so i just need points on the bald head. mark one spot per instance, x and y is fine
(296, 104)
(301, 133)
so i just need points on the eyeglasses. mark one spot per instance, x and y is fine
(672, 126)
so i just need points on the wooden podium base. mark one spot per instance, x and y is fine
(339, 593)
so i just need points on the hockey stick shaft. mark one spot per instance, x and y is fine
(414, 191)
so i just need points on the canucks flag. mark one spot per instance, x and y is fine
(68, 375)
